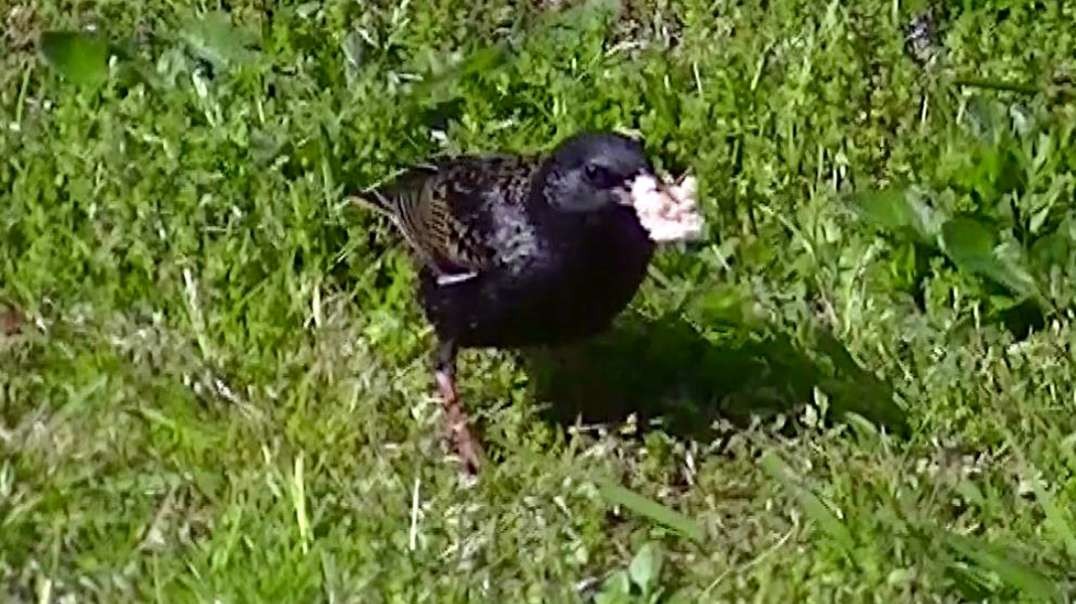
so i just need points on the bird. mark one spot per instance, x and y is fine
(519, 250)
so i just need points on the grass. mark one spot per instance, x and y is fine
(213, 376)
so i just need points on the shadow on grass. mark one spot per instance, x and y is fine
(666, 368)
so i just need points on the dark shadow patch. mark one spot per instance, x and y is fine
(666, 368)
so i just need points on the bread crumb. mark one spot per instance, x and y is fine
(669, 211)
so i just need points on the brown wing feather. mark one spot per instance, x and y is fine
(425, 205)
(444, 209)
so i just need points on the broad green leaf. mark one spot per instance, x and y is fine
(1011, 271)
(897, 211)
(969, 243)
(885, 208)
(812, 505)
(645, 567)
(615, 590)
(213, 37)
(973, 247)
(618, 495)
(82, 57)
(1014, 573)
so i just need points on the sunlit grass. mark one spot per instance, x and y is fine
(213, 376)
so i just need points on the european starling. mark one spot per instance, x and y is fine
(521, 251)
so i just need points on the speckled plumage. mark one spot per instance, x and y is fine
(453, 210)
(522, 251)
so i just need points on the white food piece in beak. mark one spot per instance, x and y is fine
(668, 210)
(452, 279)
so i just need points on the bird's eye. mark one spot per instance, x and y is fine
(599, 175)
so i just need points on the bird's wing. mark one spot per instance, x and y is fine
(443, 209)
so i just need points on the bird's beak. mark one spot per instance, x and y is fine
(624, 191)
(623, 195)
(659, 180)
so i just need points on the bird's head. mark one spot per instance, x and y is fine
(591, 172)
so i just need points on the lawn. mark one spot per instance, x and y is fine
(214, 379)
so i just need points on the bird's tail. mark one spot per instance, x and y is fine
(375, 200)
(371, 199)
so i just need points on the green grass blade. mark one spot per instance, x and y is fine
(81, 57)
(1015, 573)
(662, 514)
(812, 505)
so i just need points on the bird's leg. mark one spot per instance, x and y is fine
(456, 421)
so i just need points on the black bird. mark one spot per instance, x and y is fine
(520, 251)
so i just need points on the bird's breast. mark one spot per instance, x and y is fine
(549, 286)
(515, 239)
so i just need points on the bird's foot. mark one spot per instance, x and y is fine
(457, 426)
(466, 445)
